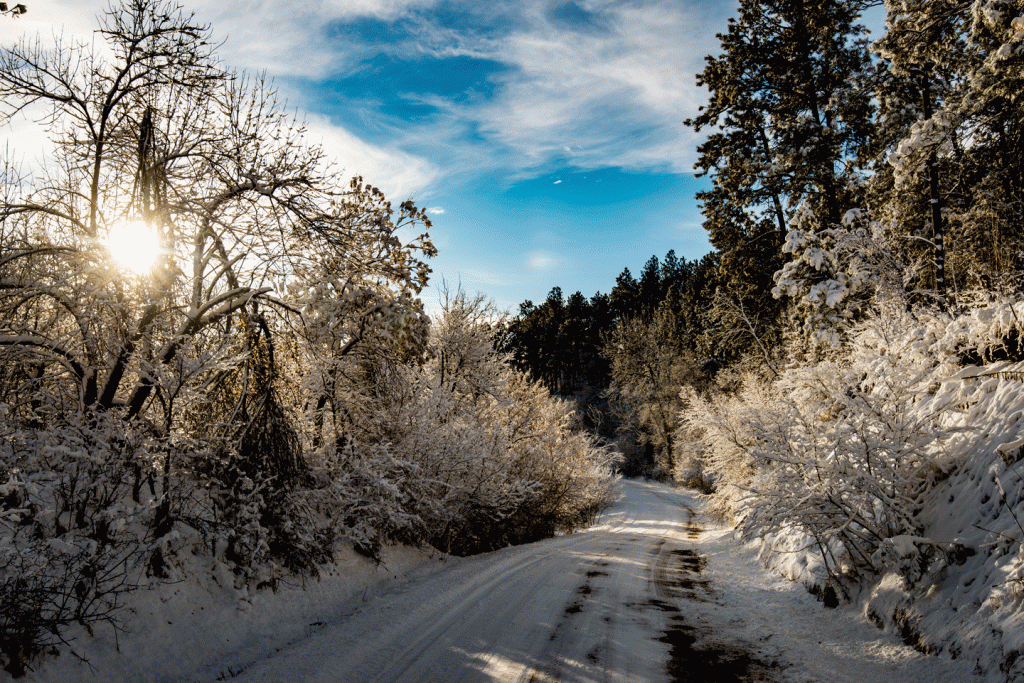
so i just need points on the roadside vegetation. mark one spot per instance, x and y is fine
(211, 343)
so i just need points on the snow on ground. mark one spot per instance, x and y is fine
(819, 644)
(202, 629)
(654, 593)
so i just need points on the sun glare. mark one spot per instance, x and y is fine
(134, 245)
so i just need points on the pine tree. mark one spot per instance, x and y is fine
(963, 148)
(650, 291)
(624, 295)
(792, 114)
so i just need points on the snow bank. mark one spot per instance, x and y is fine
(892, 475)
(201, 627)
(973, 610)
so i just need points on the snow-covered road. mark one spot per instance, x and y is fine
(653, 593)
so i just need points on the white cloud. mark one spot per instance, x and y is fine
(289, 32)
(399, 174)
(294, 38)
(557, 182)
(617, 97)
(435, 211)
(478, 276)
(49, 19)
(26, 141)
(613, 93)
(541, 261)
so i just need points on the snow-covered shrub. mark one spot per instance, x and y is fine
(835, 456)
(246, 479)
(835, 273)
(692, 451)
(369, 496)
(499, 461)
(842, 458)
(845, 458)
(450, 446)
(984, 330)
(718, 424)
(70, 531)
(958, 580)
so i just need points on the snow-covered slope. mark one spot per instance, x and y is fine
(889, 472)
(974, 609)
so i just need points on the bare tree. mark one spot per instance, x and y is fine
(649, 370)
(247, 214)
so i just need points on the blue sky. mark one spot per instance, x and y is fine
(554, 130)
(545, 137)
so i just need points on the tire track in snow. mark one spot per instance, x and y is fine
(604, 605)
(697, 653)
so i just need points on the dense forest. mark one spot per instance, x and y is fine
(622, 357)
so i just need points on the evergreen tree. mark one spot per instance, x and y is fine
(649, 290)
(792, 111)
(601, 322)
(690, 293)
(559, 341)
(572, 351)
(624, 295)
(673, 270)
(961, 152)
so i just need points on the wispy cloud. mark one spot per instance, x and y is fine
(25, 140)
(590, 84)
(399, 174)
(295, 38)
(614, 94)
(52, 19)
(586, 84)
(479, 276)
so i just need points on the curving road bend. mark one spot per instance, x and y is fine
(651, 594)
(606, 605)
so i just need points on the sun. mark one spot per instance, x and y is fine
(134, 245)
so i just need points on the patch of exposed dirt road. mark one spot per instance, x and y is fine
(696, 653)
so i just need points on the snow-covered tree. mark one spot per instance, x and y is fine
(649, 369)
(789, 114)
(251, 222)
(159, 371)
(836, 273)
(962, 150)
(498, 460)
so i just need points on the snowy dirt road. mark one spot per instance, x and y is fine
(653, 593)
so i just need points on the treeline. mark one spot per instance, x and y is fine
(840, 168)
(630, 339)
(561, 341)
